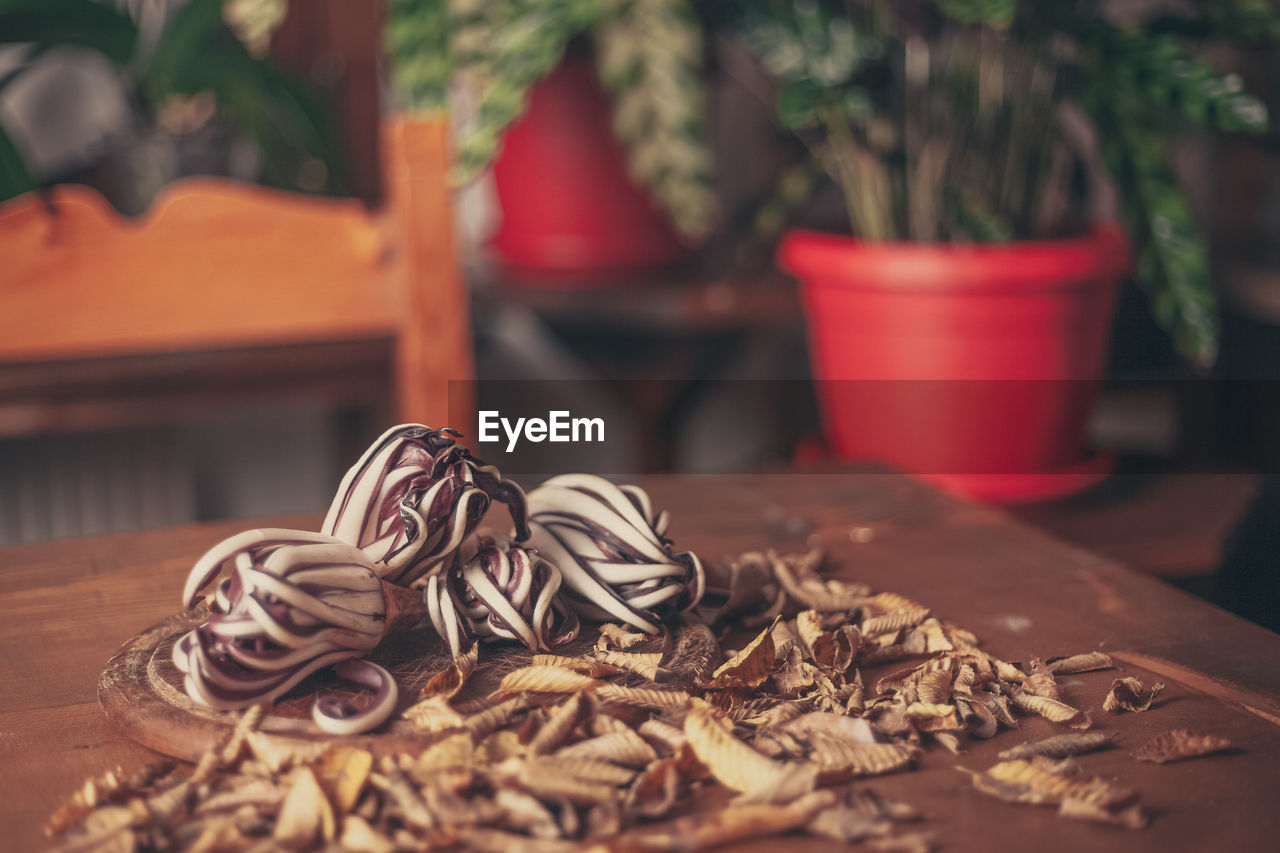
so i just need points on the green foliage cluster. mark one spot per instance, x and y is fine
(649, 54)
(942, 120)
(195, 54)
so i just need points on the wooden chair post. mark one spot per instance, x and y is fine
(434, 359)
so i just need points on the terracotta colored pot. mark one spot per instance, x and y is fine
(568, 204)
(971, 365)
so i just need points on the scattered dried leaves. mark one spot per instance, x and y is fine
(587, 666)
(546, 679)
(593, 748)
(749, 667)
(735, 823)
(737, 766)
(1044, 782)
(644, 664)
(1127, 694)
(1179, 744)
(693, 656)
(618, 638)
(862, 815)
(1052, 710)
(1060, 746)
(449, 681)
(1080, 663)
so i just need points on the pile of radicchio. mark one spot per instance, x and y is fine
(400, 541)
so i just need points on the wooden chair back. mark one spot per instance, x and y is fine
(217, 265)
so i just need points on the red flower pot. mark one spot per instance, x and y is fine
(569, 206)
(974, 366)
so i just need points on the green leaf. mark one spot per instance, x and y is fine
(856, 102)
(650, 57)
(798, 103)
(291, 127)
(183, 49)
(1249, 21)
(525, 48)
(15, 177)
(1184, 301)
(302, 123)
(1163, 82)
(82, 23)
(1136, 88)
(993, 13)
(1173, 260)
(981, 224)
(808, 41)
(417, 36)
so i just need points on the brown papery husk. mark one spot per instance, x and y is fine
(840, 760)
(1087, 662)
(662, 699)
(745, 587)
(1042, 782)
(623, 747)
(749, 667)
(739, 767)
(644, 664)
(1127, 694)
(1052, 710)
(587, 666)
(449, 680)
(305, 815)
(561, 722)
(619, 639)
(1060, 746)
(801, 581)
(1180, 744)
(692, 657)
(405, 607)
(863, 815)
(714, 829)
(546, 679)
(657, 789)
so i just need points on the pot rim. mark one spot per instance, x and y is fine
(829, 260)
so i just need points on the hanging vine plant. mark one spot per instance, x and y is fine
(649, 54)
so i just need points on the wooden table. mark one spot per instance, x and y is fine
(64, 607)
(1173, 524)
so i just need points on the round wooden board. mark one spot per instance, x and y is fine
(141, 693)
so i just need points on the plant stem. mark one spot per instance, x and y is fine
(858, 181)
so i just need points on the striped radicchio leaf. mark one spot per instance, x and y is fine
(413, 498)
(294, 602)
(499, 589)
(611, 549)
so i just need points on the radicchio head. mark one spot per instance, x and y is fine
(611, 548)
(414, 497)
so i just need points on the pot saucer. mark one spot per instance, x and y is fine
(1026, 488)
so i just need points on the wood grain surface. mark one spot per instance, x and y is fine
(65, 609)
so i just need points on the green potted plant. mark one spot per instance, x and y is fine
(196, 65)
(544, 91)
(960, 331)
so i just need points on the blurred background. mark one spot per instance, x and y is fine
(1026, 251)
